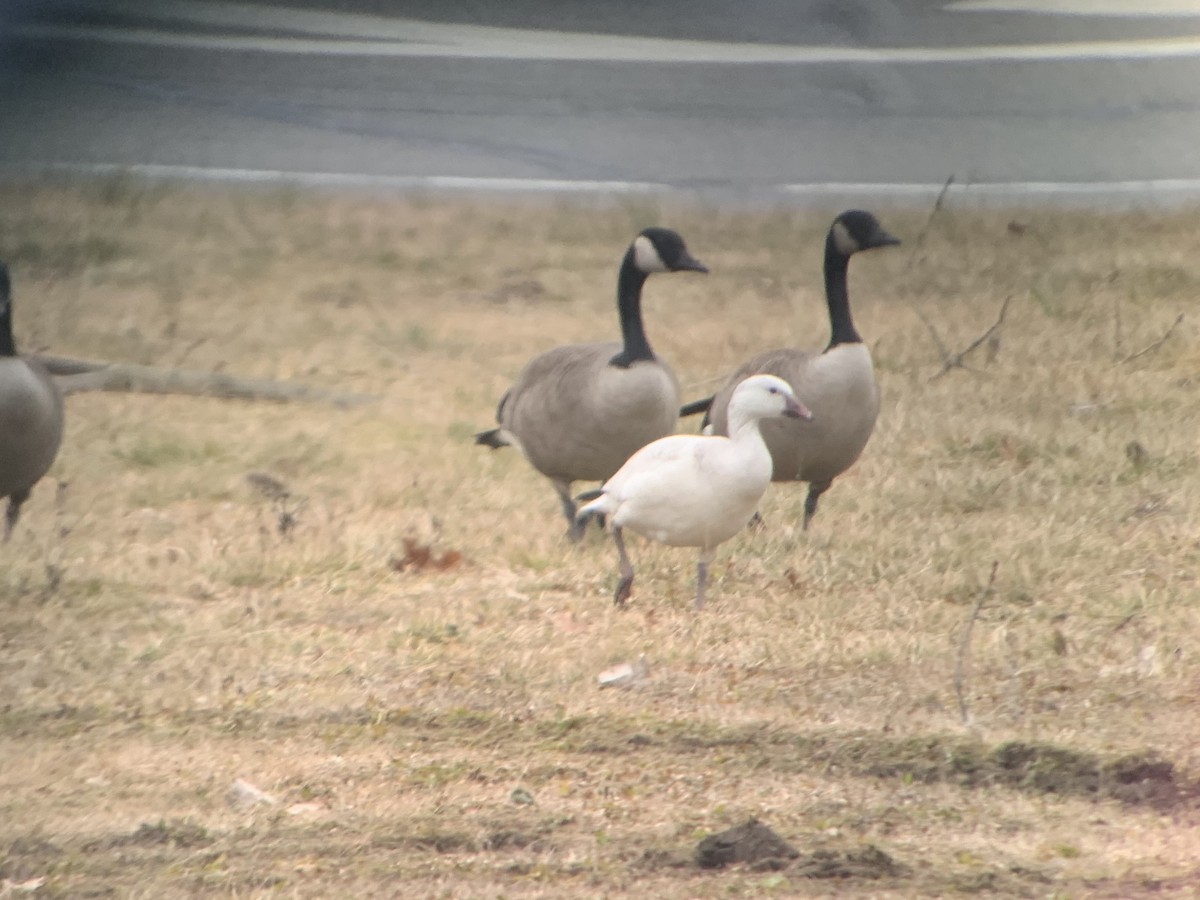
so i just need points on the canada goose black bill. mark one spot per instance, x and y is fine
(838, 383)
(577, 412)
(31, 416)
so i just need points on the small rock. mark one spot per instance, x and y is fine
(21, 887)
(1137, 454)
(243, 794)
(521, 797)
(625, 675)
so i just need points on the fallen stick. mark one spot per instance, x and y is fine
(1150, 348)
(956, 360)
(942, 350)
(964, 646)
(76, 376)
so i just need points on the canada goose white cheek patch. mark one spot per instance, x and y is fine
(646, 257)
(843, 240)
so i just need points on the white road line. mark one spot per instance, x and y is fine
(421, 39)
(344, 179)
(1083, 189)
(1139, 9)
(1148, 190)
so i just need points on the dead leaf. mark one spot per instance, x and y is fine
(418, 557)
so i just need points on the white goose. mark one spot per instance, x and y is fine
(690, 490)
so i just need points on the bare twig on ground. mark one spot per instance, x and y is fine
(1118, 340)
(76, 376)
(964, 645)
(1151, 347)
(938, 203)
(918, 243)
(956, 360)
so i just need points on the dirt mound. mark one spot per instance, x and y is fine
(753, 842)
(760, 847)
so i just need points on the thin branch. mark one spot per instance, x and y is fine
(1118, 342)
(77, 375)
(956, 360)
(917, 244)
(1150, 348)
(964, 645)
(938, 203)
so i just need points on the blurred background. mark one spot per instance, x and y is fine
(770, 100)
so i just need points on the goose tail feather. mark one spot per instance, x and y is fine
(696, 406)
(599, 504)
(491, 438)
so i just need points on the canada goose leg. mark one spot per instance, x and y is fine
(13, 511)
(575, 529)
(701, 578)
(815, 491)
(625, 582)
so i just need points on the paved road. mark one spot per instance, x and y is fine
(754, 99)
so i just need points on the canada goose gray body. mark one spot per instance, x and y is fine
(841, 388)
(31, 416)
(838, 384)
(577, 412)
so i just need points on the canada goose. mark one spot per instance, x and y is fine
(837, 384)
(577, 412)
(31, 416)
(695, 490)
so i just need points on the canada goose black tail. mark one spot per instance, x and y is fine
(696, 406)
(491, 438)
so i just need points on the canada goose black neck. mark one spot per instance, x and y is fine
(629, 304)
(841, 325)
(7, 347)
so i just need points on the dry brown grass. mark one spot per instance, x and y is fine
(162, 638)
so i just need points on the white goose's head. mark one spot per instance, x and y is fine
(765, 397)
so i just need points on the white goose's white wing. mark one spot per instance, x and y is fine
(685, 490)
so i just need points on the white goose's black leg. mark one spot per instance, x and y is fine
(625, 582)
(701, 578)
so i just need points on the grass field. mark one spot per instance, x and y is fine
(432, 725)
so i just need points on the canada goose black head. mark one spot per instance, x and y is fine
(853, 231)
(857, 229)
(663, 250)
(653, 250)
